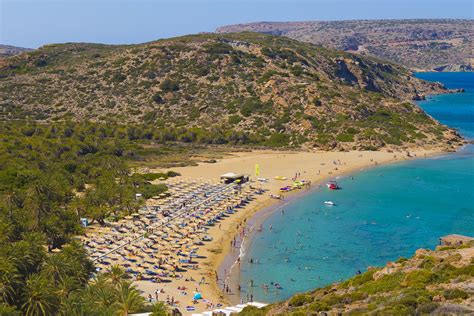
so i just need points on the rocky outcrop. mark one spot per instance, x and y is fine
(442, 45)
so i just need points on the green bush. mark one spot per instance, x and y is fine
(401, 260)
(296, 70)
(386, 283)
(426, 308)
(235, 119)
(253, 311)
(119, 77)
(278, 140)
(169, 85)
(345, 137)
(218, 48)
(154, 176)
(253, 105)
(452, 294)
(398, 310)
(419, 278)
(318, 306)
(300, 299)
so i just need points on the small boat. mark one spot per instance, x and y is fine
(332, 185)
(331, 203)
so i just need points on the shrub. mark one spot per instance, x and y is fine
(119, 77)
(388, 282)
(218, 48)
(300, 299)
(345, 137)
(401, 260)
(157, 98)
(333, 299)
(452, 294)
(154, 176)
(419, 278)
(253, 311)
(318, 306)
(278, 140)
(235, 119)
(426, 308)
(428, 262)
(296, 70)
(169, 85)
(253, 105)
(398, 309)
(357, 296)
(202, 71)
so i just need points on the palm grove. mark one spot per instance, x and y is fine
(50, 176)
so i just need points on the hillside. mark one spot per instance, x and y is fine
(440, 45)
(230, 88)
(435, 282)
(8, 50)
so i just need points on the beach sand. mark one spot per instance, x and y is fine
(312, 166)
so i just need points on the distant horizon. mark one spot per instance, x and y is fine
(295, 21)
(34, 23)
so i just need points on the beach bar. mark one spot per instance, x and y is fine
(231, 177)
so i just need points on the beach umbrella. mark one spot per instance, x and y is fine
(197, 296)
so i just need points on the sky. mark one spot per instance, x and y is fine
(32, 23)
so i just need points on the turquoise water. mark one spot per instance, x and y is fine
(381, 214)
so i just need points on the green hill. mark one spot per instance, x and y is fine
(243, 88)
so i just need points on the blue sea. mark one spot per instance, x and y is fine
(381, 214)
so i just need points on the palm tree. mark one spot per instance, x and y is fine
(116, 275)
(65, 286)
(128, 299)
(39, 297)
(12, 200)
(9, 277)
(100, 292)
(159, 309)
(55, 267)
(38, 202)
(8, 310)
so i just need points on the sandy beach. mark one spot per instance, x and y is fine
(311, 166)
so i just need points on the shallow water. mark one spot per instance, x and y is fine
(381, 214)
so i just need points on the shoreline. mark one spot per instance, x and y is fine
(218, 255)
(229, 262)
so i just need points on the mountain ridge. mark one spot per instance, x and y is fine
(420, 44)
(10, 50)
